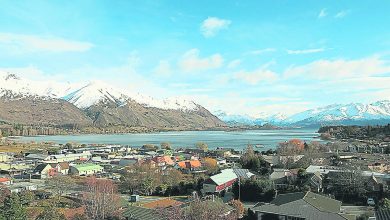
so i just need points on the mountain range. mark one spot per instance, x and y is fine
(95, 104)
(336, 114)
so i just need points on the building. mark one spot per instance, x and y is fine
(58, 158)
(282, 178)
(190, 166)
(5, 181)
(301, 206)
(220, 182)
(5, 157)
(46, 170)
(86, 169)
(314, 181)
(162, 161)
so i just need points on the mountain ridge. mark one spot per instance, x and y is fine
(96, 104)
(335, 114)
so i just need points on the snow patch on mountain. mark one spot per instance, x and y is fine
(84, 95)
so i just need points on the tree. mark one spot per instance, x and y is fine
(100, 198)
(4, 193)
(26, 197)
(13, 208)
(68, 146)
(198, 209)
(250, 160)
(150, 147)
(239, 208)
(50, 213)
(202, 146)
(210, 165)
(166, 145)
(59, 185)
(385, 203)
(141, 178)
(254, 190)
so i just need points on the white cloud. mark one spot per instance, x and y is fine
(234, 63)
(340, 68)
(212, 25)
(322, 13)
(163, 68)
(341, 14)
(258, 52)
(260, 75)
(306, 51)
(34, 43)
(192, 62)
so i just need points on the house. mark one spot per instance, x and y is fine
(22, 186)
(300, 206)
(243, 173)
(5, 181)
(128, 161)
(382, 214)
(162, 161)
(85, 169)
(314, 181)
(46, 170)
(190, 166)
(271, 160)
(321, 169)
(5, 157)
(220, 182)
(282, 177)
(379, 167)
(58, 158)
(162, 203)
(38, 157)
(140, 213)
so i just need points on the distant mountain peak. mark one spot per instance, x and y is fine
(11, 76)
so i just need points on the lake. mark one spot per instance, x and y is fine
(232, 139)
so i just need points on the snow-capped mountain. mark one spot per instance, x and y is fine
(235, 119)
(232, 119)
(100, 103)
(84, 95)
(337, 114)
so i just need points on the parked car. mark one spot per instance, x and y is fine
(370, 202)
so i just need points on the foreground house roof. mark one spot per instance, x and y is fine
(162, 203)
(303, 205)
(382, 214)
(140, 213)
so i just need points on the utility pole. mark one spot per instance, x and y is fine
(239, 188)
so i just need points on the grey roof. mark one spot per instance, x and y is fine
(140, 213)
(382, 214)
(40, 167)
(37, 156)
(243, 173)
(303, 205)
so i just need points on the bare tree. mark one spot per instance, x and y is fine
(100, 198)
(60, 185)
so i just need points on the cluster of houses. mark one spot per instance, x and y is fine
(106, 161)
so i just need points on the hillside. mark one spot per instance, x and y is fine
(95, 105)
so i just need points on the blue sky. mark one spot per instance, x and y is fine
(247, 57)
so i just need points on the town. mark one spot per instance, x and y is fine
(330, 179)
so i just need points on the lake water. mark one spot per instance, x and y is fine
(232, 139)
